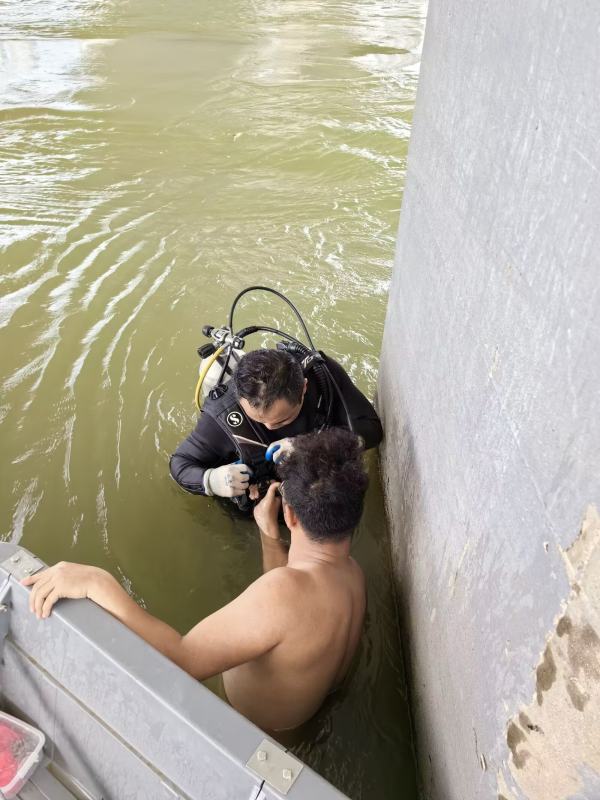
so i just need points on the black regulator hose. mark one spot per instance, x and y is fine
(271, 330)
(341, 396)
(281, 297)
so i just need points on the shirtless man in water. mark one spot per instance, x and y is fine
(289, 639)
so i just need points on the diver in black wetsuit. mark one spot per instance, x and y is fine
(272, 397)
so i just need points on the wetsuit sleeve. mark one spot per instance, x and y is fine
(364, 417)
(206, 446)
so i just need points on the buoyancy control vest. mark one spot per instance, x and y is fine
(247, 439)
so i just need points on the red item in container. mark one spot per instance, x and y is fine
(11, 744)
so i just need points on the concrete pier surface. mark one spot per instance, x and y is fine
(490, 393)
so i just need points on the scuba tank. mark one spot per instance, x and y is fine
(211, 368)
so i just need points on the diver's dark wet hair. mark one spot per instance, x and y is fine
(325, 483)
(263, 376)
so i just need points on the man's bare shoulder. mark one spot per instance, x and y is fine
(272, 596)
(279, 580)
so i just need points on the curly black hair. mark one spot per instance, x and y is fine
(264, 375)
(325, 483)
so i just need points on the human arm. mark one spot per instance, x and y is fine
(365, 421)
(266, 514)
(241, 631)
(206, 447)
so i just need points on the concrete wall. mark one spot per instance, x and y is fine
(489, 389)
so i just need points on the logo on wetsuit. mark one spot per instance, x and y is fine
(234, 419)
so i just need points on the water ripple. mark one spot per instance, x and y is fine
(153, 161)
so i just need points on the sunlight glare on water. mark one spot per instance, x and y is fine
(155, 158)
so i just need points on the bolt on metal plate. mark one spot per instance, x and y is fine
(21, 564)
(278, 768)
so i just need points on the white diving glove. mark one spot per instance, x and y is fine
(278, 451)
(230, 480)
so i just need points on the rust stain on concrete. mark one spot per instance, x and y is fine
(551, 742)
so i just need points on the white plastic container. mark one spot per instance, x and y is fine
(20, 753)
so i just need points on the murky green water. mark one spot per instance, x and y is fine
(155, 158)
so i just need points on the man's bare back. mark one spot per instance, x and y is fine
(319, 605)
